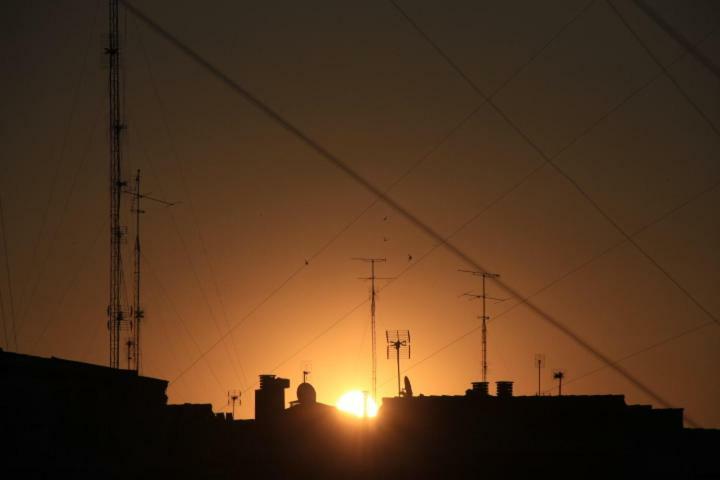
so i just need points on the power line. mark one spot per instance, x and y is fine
(58, 160)
(408, 171)
(576, 269)
(187, 255)
(665, 70)
(399, 275)
(342, 166)
(173, 307)
(679, 37)
(65, 207)
(501, 197)
(69, 286)
(596, 206)
(641, 351)
(163, 115)
(568, 274)
(527, 177)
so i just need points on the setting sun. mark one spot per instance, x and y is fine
(357, 403)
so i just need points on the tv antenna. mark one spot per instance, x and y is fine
(398, 340)
(484, 316)
(234, 398)
(559, 375)
(136, 311)
(372, 278)
(539, 364)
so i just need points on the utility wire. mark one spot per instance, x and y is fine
(667, 72)
(567, 274)
(163, 115)
(639, 352)
(596, 206)
(187, 255)
(69, 286)
(66, 205)
(512, 189)
(342, 166)
(679, 38)
(58, 160)
(183, 323)
(416, 164)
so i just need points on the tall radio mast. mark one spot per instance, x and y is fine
(115, 313)
(373, 292)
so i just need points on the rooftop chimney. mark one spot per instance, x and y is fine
(270, 397)
(504, 389)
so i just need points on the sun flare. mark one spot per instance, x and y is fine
(357, 403)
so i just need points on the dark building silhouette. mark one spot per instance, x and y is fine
(270, 397)
(73, 419)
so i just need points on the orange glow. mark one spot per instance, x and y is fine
(357, 403)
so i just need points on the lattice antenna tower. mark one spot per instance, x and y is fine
(137, 313)
(484, 318)
(116, 319)
(373, 292)
(398, 340)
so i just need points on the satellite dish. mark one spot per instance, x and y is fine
(408, 388)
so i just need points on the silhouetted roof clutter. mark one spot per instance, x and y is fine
(65, 417)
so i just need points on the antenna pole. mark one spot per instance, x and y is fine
(560, 386)
(540, 364)
(372, 279)
(114, 310)
(559, 375)
(400, 341)
(484, 333)
(139, 314)
(485, 316)
(397, 357)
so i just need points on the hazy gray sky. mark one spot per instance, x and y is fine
(256, 203)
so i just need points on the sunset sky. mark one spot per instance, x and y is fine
(264, 232)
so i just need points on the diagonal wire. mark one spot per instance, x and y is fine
(571, 272)
(643, 350)
(69, 286)
(58, 162)
(596, 206)
(181, 319)
(549, 285)
(232, 353)
(665, 70)
(513, 188)
(343, 167)
(185, 250)
(416, 164)
(679, 38)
